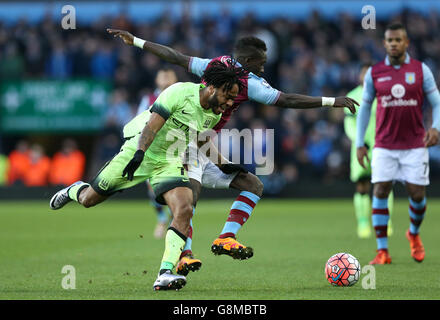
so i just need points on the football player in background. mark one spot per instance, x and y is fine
(399, 83)
(358, 175)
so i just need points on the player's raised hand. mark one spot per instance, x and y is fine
(361, 153)
(126, 36)
(346, 102)
(431, 137)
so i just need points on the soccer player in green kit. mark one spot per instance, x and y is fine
(152, 138)
(358, 175)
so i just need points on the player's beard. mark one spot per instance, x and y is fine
(213, 103)
(397, 56)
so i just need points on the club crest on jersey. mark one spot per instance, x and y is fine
(398, 91)
(206, 124)
(410, 77)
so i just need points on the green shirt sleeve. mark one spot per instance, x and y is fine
(167, 102)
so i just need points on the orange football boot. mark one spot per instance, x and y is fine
(188, 263)
(382, 257)
(232, 248)
(416, 245)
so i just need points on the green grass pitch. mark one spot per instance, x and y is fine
(115, 256)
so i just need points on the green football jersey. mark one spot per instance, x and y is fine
(180, 106)
(350, 120)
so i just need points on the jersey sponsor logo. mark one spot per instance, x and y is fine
(382, 79)
(388, 101)
(410, 77)
(180, 124)
(398, 91)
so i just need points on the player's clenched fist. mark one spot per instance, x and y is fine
(124, 35)
(134, 163)
(361, 153)
(346, 102)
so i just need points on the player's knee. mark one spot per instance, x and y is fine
(362, 187)
(184, 211)
(181, 217)
(380, 193)
(418, 196)
(259, 187)
(382, 190)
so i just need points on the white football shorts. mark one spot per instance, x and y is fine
(202, 169)
(411, 165)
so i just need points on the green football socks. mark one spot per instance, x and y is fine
(362, 211)
(174, 243)
(75, 189)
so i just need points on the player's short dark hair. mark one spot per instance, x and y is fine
(219, 74)
(249, 47)
(395, 26)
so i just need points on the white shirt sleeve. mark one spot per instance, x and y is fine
(198, 65)
(261, 91)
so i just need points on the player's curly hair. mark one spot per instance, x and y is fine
(219, 74)
(249, 47)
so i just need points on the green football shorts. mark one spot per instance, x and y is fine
(163, 175)
(356, 171)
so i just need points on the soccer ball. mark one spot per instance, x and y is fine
(342, 269)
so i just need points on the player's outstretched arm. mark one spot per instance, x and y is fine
(145, 140)
(163, 52)
(299, 101)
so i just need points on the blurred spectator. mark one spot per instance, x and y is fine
(19, 162)
(37, 173)
(67, 165)
(318, 147)
(59, 64)
(104, 61)
(119, 111)
(317, 56)
(11, 63)
(164, 78)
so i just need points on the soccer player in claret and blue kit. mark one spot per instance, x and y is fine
(400, 83)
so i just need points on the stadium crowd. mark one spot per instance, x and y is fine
(314, 57)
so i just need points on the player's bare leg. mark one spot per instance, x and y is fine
(180, 202)
(80, 192)
(417, 209)
(380, 217)
(89, 197)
